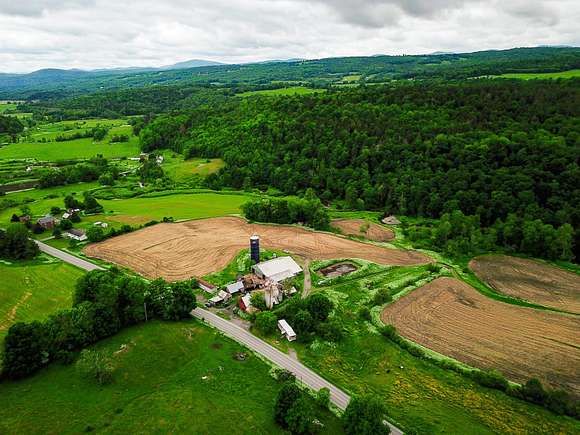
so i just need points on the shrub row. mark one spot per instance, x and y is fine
(557, 401)
(103, 303)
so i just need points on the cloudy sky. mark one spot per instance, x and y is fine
(113, 33)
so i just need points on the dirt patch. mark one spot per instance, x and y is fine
(217, 345)
(531, 280)
(452, 318)
(360, 227)
(11, 315)
(196, 248)
(338, 270)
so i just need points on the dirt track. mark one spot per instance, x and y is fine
(195, 248)
(531, 280)
(352, 227)
(450, 317)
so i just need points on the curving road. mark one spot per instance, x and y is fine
(302, 373)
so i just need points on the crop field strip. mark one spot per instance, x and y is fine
(352, 227)
(452, 318)
(531, 280)
(197, 248)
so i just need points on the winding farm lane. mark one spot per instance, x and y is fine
(303, 373)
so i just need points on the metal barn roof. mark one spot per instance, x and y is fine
(279, 268)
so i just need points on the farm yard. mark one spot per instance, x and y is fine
(530, 280)
(363, 228)
(450, 317)
(197, 248)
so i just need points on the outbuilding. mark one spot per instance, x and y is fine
(47, 222)
(277, 269)
(75, 235)
(286, 330)
(235, 287)
(206, 286)
(245, 302)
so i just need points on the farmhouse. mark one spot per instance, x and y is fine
(206, 286)
(47, 222)
(24, 218)
(286, 330)
(277, 269)
(235, 287)
(75, 235)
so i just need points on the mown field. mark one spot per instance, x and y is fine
(33, 290)
(182, 171)
(293, 90)
(551, 75)
(32, 147)
(171, 378)
(179, 206)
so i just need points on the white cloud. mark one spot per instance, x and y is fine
(109, 33)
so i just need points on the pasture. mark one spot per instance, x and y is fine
(34, 290)
(530, 280)
(173, 377)
(452, 318)
(181, 170)
(196, 248)
(34, 147)
(293, 90)
(543, 76)
(179, 206)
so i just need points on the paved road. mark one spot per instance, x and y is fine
(303, 373)
(64, 256)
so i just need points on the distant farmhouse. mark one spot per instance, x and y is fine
(75, 234)
(47, 222)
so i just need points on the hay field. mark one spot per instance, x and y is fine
(531, 280)
(196, 248)
(352, 227)
(452, 318)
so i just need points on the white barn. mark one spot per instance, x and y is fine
(286, 330)
(277, 269)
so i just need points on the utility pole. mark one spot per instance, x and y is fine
(145, 308)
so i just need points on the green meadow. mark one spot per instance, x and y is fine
(33, 147)
(178, 206)
(294, 90)
(33, 290)
(182, 171)
(173, 377)
(552, 75)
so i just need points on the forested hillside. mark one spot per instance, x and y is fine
(51, 83)
(486, 148)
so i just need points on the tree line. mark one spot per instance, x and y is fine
(103, 303)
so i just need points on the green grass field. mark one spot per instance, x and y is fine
(178, 206)
(294, 90)
(33, 290)
(33, 148)
(172, 378)
(181, 170)
(4, 107)
(555, 75)
(420, 396)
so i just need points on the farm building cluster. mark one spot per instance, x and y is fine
(267, 278)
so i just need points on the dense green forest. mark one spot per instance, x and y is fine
(54, 83)
(487, 148)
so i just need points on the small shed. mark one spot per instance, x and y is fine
(245, 302)
(235, 287)
(66, 215)
(286, 330)
(391, 220)
(101, 224)
(206, 286)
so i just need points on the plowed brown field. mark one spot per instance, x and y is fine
(195, 248)
(374, 232)
(452, 318)
(530, 280)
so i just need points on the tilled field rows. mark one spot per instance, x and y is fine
(195, 248)
(450, 317)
